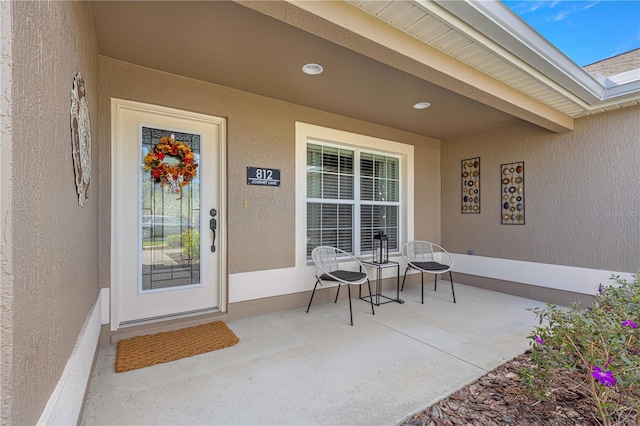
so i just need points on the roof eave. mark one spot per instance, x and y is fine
(497, 22)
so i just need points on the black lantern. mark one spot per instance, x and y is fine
(380, 248)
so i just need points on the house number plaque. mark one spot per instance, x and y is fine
(263, 176)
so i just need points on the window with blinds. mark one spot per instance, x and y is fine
(330, 197)
(379, 199)
(352, 194)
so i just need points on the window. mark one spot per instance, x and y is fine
(352, 194)
(380, 199)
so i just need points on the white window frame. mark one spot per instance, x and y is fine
(326, 136)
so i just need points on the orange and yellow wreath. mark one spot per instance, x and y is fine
(177, 174)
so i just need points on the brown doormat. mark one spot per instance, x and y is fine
(143, 351)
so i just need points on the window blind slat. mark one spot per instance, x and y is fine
(329, 186)
(366, 189)
(314, 185)
(313, 216)
(346, 187)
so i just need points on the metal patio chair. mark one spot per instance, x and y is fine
(325, 259)
(421, 256)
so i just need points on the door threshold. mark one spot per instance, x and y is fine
(166, 323)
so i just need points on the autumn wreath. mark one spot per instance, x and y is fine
(177, 173)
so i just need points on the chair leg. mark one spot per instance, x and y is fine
(435, 284)
(350, 311)
(452, 292)
(314, 292)
(337, 293)
(405, 277)
(370, 296)
(422, 285)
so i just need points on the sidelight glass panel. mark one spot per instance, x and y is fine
(170, 225)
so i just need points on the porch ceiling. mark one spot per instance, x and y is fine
(373, 71)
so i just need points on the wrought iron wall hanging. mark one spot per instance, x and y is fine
(512, 176)
(471, 185)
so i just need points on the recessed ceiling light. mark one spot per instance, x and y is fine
(422, 105)
(312, 69)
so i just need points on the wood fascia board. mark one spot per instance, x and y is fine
(349, 27)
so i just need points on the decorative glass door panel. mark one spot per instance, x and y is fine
(170, 217)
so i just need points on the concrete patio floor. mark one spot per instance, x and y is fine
(294, 368)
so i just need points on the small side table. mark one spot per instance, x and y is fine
(378, 294)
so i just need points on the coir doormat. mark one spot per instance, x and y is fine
(143, 351)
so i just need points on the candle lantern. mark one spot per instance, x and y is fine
(380, 248)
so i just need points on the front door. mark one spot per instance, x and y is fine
(167, 210)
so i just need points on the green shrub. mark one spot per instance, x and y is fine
(174, 241)
(191, 243)
(599, 346)
(188, 240)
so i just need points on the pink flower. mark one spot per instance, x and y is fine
(629, 323)
(538, 340)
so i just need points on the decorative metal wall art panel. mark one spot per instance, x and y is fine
(471, 185)
(512, 191)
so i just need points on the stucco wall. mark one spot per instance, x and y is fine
(260, 133)
(581, 193)
(427, 218)
(54, 241)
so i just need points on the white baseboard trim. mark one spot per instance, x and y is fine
(65, 403)
(105, 299)
(559, 277)
(253, 285)
(278, 282)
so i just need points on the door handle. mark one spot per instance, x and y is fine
(213, 225)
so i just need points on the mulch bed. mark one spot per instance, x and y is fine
(498, 399)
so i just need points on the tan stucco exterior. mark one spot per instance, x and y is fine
(49, 246)
(581, 193)
(261, 133)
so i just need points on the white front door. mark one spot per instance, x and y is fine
(164, 258)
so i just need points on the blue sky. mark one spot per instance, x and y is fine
(586, 31)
